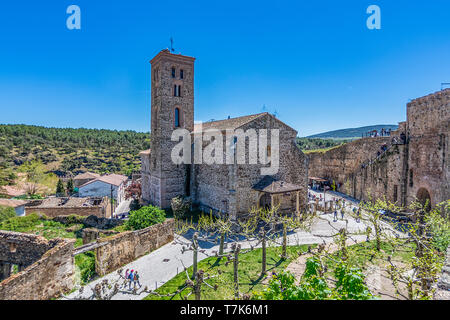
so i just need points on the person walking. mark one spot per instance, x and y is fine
(342, 213)
(126, 278)
(136, 280)
(130, 279)
(335, 215)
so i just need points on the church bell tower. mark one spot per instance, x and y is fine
(172, 107)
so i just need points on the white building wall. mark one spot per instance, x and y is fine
(20, 211)
(102, 189)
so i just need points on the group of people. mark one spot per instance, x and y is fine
(383, 133)
(339, 206)
(131, 277)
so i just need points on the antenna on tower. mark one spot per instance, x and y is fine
(172, 49)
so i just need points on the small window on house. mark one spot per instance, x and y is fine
(176, 91)
(177, 117)
(181, 74)
(173, 72)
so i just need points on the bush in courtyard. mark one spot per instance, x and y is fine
(145, 217)
(180, 206)
(6, 213)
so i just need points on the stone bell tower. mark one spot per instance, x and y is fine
(172, 107)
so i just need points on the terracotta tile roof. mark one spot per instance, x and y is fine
(114, 179)
(269, 184)
(12, 203)
(87, 175)
(232, 123)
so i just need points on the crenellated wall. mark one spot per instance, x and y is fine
(416, 167)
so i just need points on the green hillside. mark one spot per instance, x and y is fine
(352, 133)
(65, 150)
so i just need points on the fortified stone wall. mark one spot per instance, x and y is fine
(339, 163)
(419, 168)
(126, 247)
(48, 266)
(428, 127)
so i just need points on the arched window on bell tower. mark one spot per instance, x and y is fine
(177, 118)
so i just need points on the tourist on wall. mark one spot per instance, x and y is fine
(136, 279)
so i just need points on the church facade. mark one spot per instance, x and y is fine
(232, 187)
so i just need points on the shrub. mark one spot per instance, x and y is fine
(20, 224)
(180, 206)
(145, 217)
(6, 213)
(86, 263)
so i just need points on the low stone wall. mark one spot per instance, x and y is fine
(126, 247)
(47, 277)
(443, 286)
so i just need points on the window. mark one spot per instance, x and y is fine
(181, 74)
(176, 91)
(173, 72)
(177, 117)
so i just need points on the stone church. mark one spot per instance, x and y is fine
(233, 188)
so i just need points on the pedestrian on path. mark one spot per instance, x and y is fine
(136, 280)
(126, 278)
(342, 213)
(335, 216)
(130, 279)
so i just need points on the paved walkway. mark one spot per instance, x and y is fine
(163, 264)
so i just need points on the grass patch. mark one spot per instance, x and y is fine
(86, 264)
(249, 274)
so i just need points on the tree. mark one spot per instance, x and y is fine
(35, 173)
(145, 217)
(60, 188)
(70, 187)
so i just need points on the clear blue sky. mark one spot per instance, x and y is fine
(314, 62)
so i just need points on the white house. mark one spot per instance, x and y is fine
(18, 205)
(112, 185)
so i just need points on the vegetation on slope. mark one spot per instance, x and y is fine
(65, 150)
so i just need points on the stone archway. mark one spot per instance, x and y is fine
(265, 202)
(423, 196)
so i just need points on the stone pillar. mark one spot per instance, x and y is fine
(5, 270)
(89, 235)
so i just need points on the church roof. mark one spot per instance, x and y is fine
(232, 123)
(269, 184)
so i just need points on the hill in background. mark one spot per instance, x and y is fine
(352, 133)
(67, 150)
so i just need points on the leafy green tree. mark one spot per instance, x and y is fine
(60, 188)
(145, 217)
(6, 213)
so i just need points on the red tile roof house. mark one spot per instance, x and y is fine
(112, 185)
(18, 205)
